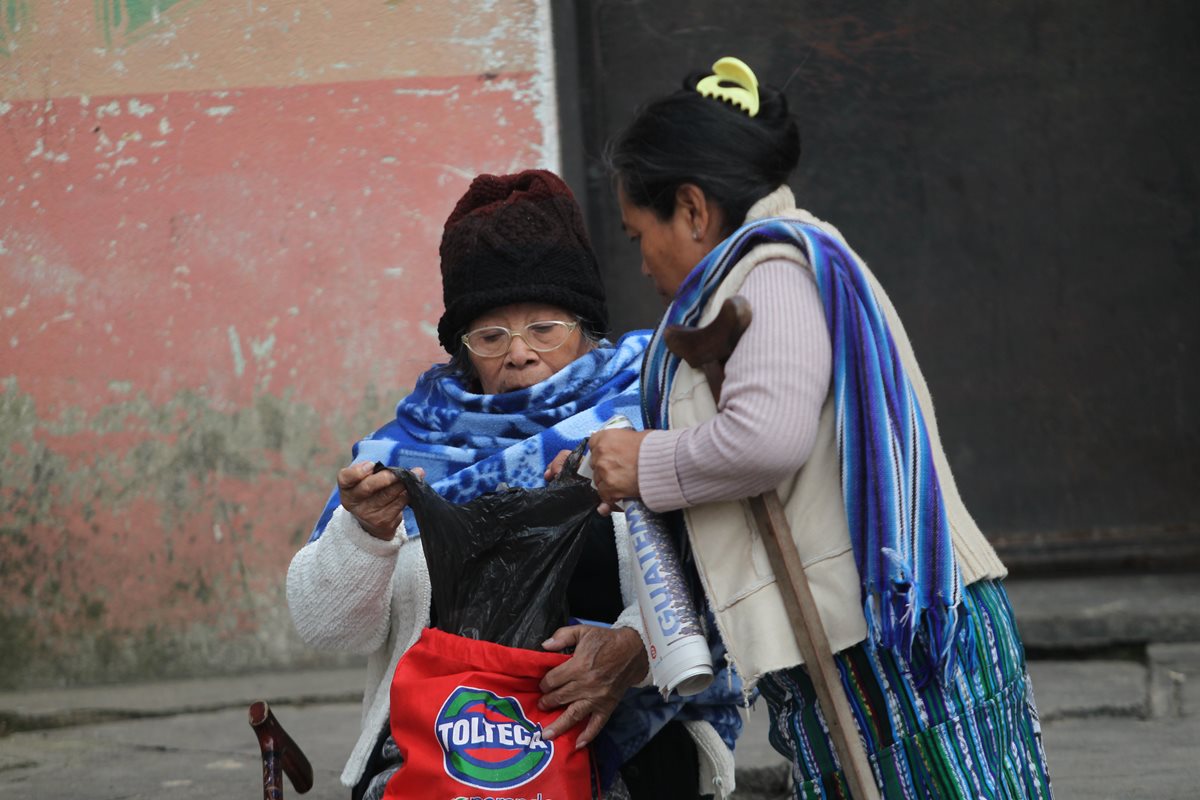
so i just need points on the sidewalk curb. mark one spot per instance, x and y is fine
(62, 708)
(1088, 613)
(14, 722)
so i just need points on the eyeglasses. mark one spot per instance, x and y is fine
(541, 336)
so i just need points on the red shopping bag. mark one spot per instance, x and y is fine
(465, 718)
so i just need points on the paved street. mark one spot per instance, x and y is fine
(1115, 729)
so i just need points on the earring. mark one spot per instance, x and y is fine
(695, 235)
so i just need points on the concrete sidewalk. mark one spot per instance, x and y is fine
(1114, 728)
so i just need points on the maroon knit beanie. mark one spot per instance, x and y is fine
(516, 239)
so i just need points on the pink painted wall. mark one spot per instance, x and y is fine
(218, 267)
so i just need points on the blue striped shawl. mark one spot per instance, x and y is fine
(897, 518)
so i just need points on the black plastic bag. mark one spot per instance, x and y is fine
(500, 564)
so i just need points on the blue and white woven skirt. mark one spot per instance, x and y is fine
(975, 736)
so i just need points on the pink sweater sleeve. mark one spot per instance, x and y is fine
(766, 424)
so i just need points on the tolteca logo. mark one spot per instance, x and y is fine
(488, 741)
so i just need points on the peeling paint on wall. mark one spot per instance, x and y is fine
(122, 20)
(14, 18)
(107, 532)
(192, 45)
(175, 237)
(218, 268)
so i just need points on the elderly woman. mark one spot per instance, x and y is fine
(823, 401)
(529, 375)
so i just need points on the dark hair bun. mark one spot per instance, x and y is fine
(686, 137)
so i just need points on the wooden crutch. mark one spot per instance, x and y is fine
(707, 349)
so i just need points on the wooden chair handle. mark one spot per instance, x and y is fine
(280, 754)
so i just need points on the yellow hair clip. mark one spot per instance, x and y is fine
(744, 92)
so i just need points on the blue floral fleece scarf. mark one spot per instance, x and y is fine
(470, 443)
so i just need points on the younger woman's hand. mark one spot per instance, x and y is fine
(614, 459)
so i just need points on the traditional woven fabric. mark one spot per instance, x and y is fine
(468, 444)
(975, 736)
(897, 519)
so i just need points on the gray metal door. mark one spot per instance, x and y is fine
(1024, 177)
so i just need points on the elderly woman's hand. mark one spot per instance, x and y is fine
(376, 499)
(556, 466)
(606, 662)
(614, 460)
